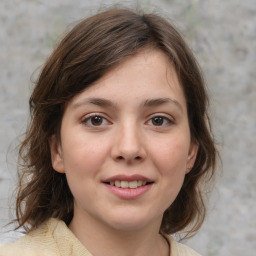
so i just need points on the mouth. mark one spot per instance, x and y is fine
(128, 184)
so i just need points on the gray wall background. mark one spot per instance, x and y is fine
(221, 33)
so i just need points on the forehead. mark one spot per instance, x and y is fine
(147, 74)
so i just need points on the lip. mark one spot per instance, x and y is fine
(128, 178)
(128, 193)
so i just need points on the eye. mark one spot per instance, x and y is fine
(94, 120)
(159, 121)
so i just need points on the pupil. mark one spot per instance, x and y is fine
(157, 120)
(97, 120)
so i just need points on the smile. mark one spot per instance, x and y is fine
(127, 184)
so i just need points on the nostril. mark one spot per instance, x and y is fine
(122, 158)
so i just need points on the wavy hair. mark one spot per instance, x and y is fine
(87, 52)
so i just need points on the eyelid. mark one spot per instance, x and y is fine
(161, 114)
(167, 117)
(87, 117)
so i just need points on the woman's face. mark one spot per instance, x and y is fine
(125, 144)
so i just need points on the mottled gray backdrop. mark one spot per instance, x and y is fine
(223, 36)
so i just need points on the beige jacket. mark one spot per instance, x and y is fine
(53, 238)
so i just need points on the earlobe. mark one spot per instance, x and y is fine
(56, 154)
(192, 156)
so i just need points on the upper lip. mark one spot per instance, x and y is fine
(128, 178)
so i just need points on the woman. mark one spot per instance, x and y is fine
(119, 145)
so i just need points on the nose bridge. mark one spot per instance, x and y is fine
(129, 143)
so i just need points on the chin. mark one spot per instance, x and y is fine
(127, 226)
(132, 222)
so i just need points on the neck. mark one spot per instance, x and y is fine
(107, 241)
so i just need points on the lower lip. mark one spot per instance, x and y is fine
(129, 193)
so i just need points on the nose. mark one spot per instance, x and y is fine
(128, 145)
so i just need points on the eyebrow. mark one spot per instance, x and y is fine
(161, 101)
(96, 101)
(147, 103)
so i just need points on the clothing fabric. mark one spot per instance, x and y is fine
(54, 238)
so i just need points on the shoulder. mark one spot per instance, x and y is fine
(52, 238)
(179, 249)
(37, 242)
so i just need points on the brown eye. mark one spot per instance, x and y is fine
(96, 120)
(158, 120)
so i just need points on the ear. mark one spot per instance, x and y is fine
(56, 154)
(192, 155)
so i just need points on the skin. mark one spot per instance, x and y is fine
(138, 127)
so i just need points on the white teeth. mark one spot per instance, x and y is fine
(139, 183)
(118, 183)
(128, 184)
(133, 184)
(124, 184)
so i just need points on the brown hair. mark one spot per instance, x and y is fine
(87, 52)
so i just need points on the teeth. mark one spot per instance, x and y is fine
(124, 184)
(118, 183)
(133, 184)
(128, 184)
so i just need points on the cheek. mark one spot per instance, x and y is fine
(83, 156)
(82, 163)
(170, 160)
(172, 156)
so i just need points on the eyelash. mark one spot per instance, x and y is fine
(166, 121)
(88, 120)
